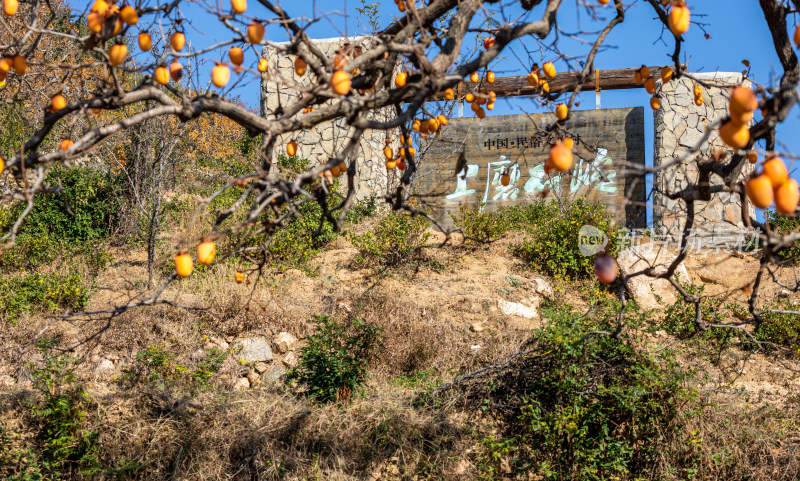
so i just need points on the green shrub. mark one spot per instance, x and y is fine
(551, 242)
(64, 447)
(680, 319)
(394, 240)
(302, 237)
(783, 225)
(32, 251)
(87, 208)
(158, 368)
(480, 225)
(361, 210)
(304, 234)
(781, 328)
(584, 405)
(16, 127)
(334, 362)
(49, 292)
(306, 231)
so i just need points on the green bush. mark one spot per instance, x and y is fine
(16, 127)
(64, 446)
(584, 405)
(49, 292)
(302, 237)
(334, 362)
(394, 240)
(32, 251)
(87, 208)
(781, 328)
(305, 232)
(480, 225)
(551, 242)
(158, 368)
(362, 209)
(680, 318)
(782, 225)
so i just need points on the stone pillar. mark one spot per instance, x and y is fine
(680, 125)
(281, 86)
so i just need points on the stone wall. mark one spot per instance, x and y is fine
(680, 125)
(281, 86)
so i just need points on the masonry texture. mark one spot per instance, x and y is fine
(680, 125)
(281, 86)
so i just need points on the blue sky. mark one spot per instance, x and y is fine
(737, 31)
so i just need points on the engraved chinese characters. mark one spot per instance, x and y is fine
(505, 162)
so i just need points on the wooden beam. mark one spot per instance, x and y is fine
(612, 79)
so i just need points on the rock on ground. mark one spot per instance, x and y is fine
(285, 342)
(241, 384)
(543, 288)
(274, 374)
(105, 366)
(291, 360)
(254, 349)
(517, 309)
(644, 288)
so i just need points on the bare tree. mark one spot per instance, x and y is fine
(430, 38)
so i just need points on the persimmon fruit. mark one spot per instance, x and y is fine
(605, 268)
(787, 197)
(736, 136)
(58, 102)
(759, 191)
(291, 148)
(177, 41)
(161, 75)
(145, 42)
(184, 264)
(679, 19)
(562, 111)
(175, 70)
(117, 54)
(220, 75)
(560, 157)
(655, 103)
(775, 169)
(340, 82)
(236, 54)
(206, 251)
(239, 6)
(129, 15)
(255, 32)
(10, 7)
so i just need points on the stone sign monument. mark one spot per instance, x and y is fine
(519, 145)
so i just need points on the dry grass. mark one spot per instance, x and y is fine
(391, 432)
